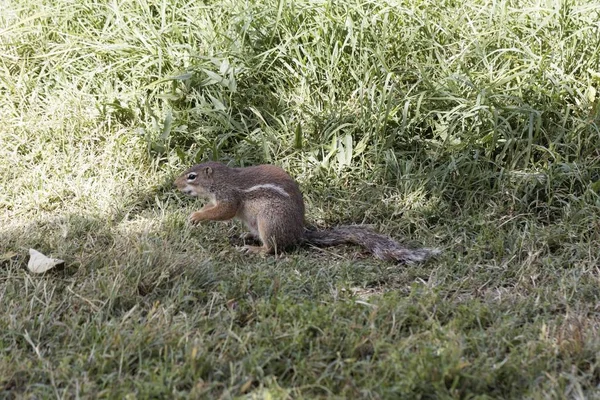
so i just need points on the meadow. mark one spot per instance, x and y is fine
(471, 126)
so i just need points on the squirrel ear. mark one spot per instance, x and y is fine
(208, 171)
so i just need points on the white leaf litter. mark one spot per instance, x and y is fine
(39, 263)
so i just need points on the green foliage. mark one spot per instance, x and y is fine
(467, 125)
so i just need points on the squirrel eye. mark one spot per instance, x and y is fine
(191, 176)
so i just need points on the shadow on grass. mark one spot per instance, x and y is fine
(142, 244)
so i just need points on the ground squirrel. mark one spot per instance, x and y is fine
(270, 204)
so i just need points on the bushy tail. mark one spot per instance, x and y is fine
(381, 246)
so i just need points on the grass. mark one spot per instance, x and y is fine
(471, 126)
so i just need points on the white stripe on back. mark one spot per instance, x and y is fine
(269, 186)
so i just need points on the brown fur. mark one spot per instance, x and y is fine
(275, 219)
(270, 203)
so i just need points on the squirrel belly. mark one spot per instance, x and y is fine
(270, 204)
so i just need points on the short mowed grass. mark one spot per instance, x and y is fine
(472, 126)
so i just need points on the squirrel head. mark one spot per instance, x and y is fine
(200, 179)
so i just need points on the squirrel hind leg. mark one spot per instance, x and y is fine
(276, 234)
(265, 234)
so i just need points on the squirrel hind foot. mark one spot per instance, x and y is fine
(248, 249)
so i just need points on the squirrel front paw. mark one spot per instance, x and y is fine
(195, 218)
(248, 236)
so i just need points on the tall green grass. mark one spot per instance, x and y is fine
(470, 125)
